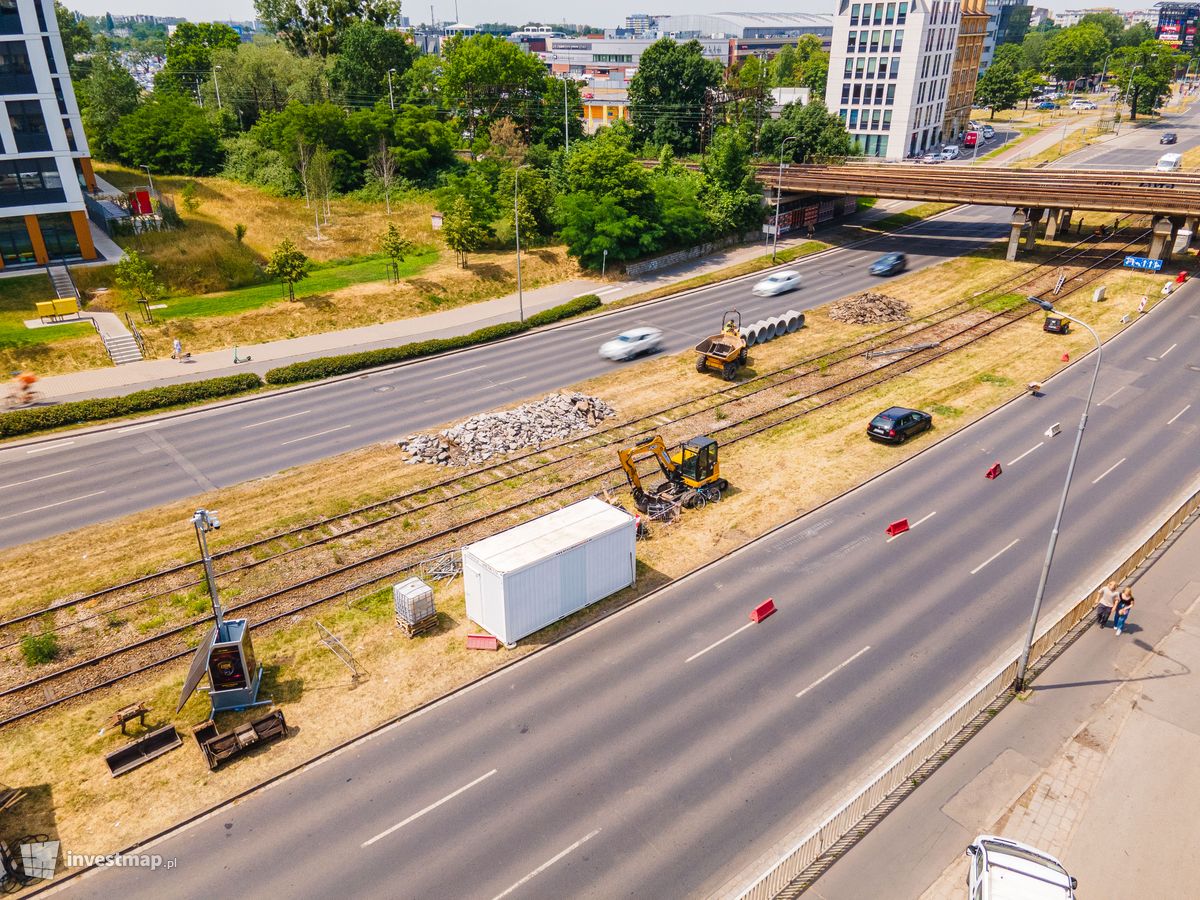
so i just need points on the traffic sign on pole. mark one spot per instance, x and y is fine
(1144, 263)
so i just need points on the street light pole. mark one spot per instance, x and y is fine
(1062, 503)
(217, 85)
(779, 196)
(1129, 92)
(206, 522)
(566, 119)
(1103, 72)
(517, 231)
(391, 96)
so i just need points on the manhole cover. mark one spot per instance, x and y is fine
(384, 388)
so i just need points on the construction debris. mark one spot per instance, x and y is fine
(869, 308)
(482, 437)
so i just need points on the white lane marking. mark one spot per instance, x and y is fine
(51, 505)
(136, 427)
(1110, 468)
(1178, 414)
(609, 290)
(278, 419)
(1110, 396)
(57, 446)
(1168, 350)
(510, 381)
(1026, 453)
(718, 643)
(912, 526)
(308, 437)
(429, 808)
(460, 372)
(547, 864)
(41, 478)
(834, 671)
(995, 556)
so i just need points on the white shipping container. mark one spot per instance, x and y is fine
(521, 580)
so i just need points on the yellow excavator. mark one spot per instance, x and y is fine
(692, 473)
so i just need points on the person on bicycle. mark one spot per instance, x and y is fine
(23, 393)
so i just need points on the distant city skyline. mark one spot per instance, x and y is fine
(514, 12)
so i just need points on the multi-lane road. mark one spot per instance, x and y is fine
(661, 753)
(51, 486)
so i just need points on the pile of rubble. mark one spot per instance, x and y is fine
(869, 308)
(482, 437)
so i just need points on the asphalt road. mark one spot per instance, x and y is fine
(660, 753)
(53, 486)
(1139, 148)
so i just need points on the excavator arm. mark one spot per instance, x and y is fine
(629, 456)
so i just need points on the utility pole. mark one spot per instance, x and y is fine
(566, 129)
(206, 522)
(391, 96)
(217, 85)
(517, 231)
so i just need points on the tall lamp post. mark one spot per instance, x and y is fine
(150, 179)
(217, 85)
(1103, 72)
(517, 231)
(779, 195)
(1062, 503)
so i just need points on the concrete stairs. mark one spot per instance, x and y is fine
(64, 287)
(122, 348)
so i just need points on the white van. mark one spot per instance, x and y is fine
(1169, 162)
(1007, 870)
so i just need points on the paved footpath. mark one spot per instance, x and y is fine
(1097, 767)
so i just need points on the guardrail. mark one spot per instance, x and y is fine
(818, 850)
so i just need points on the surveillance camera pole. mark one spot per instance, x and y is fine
(204, 523)
(1019, 684)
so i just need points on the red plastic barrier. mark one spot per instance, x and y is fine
(898, 527)
(763, 610)
(482, 642)
(1181, 278)
(994, 471)
(1066, 357)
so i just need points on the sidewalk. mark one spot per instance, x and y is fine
(116, 380)
(1096, 768)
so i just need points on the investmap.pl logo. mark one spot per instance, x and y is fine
(39, 859)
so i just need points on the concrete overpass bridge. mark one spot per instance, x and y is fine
(1043, 200)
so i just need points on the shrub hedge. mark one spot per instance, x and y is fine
(331, 366)
(40, 418)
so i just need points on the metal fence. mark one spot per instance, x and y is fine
(878, 786)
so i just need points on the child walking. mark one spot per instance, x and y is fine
(1124, 605)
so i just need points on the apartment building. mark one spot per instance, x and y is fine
(44, 161)
(972, 29)
(889, 72)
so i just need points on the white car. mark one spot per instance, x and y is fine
(631, 343)
(950, 152)
(1082, 104)
(777, 283)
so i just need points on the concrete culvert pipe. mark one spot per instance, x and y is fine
(749, 336)
(779, 324)
(765, 331)
(795, 320)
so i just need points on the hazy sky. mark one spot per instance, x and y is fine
(516, 12)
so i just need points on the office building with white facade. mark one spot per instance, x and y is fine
(44, 161)
(889, 72)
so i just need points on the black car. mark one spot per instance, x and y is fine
(889, 264)
(1169, 138)
(898, 424)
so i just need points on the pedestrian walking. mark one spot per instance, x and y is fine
(1124, 605)
(812, 232)
(1104, 606)
(176, 349)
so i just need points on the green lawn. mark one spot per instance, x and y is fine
(17, 299)
(322, 279)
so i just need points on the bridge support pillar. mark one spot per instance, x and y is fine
(1065, 222)
(1052, 219)
(1035, 218)
(1019, 221)
(1183, 236)
(1160, 240)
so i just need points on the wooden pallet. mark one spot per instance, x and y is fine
(415, 628)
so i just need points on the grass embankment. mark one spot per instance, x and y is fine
(66, 347)
(58, 758)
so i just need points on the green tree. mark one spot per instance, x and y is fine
(289, 265)
(188, 195)
(257, 79)
(485, 78)
(134, 273)
(366, 52)
(1110, 23)
(998, 88)
(816, 132)
(1143, 75)
(751, 81)
(106, 95)
(1076, 51)
(812, 64)
(76, 39)
(189, 54)
(315, 27)
(462, 231)
(683, 215)
(548, 127)
(783, 67)
(169, 134)
(666, 96)
(396, 246)
(1136, 35)
(731, 192)
(1033, 48)
(1013, 54)
(1031, 84)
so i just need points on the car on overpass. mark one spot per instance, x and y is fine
(897, 424)
(777, 283)
(889, 264)
(632, 343)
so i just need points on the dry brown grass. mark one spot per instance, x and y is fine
(59, 755)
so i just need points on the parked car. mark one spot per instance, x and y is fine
(1169, 138)
(1079, 103)
(1047, 104)
(889, 264)
(950, 152)
(777, 283)
(632, 343)
(988, 132)
(898, 424)
(932, 158)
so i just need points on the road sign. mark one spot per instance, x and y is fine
(1141, 262)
